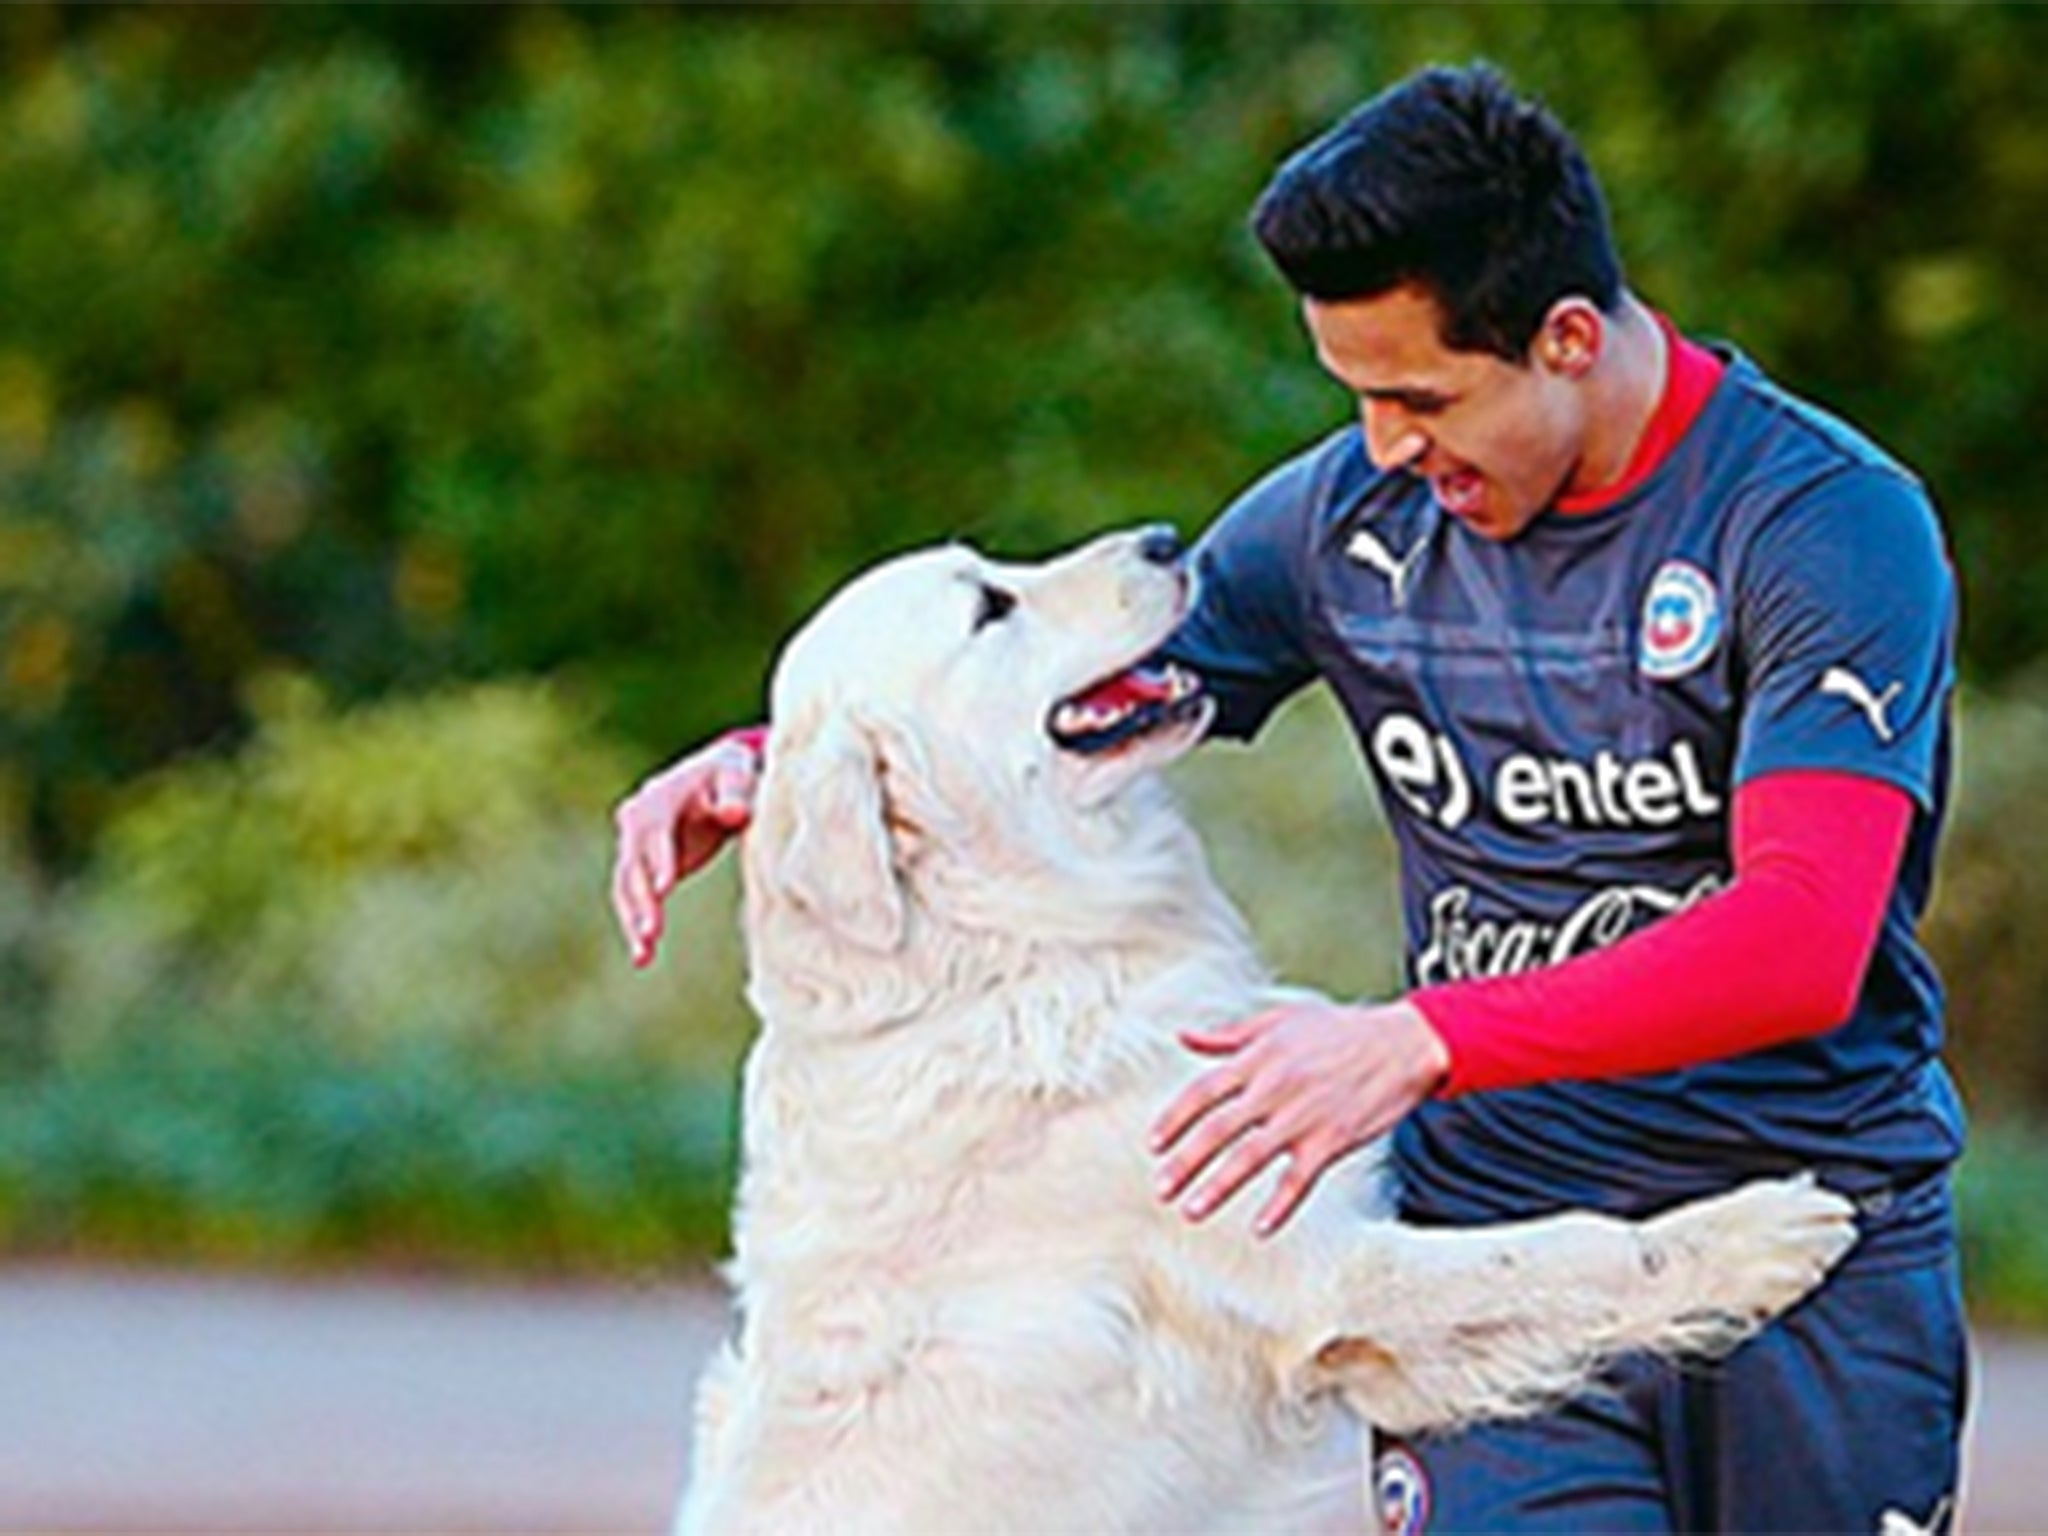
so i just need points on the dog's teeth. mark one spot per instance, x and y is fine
(1074, 718)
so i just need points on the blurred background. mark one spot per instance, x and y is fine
(416, 423)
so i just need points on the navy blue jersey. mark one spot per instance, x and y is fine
(1556, 726)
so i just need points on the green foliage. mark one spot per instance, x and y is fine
(29, 922)
(285, 1155)
(407, 347)
(1990, 904)
(2002, 1207)
(1294, 836)
(398, 346)
(430, 871)
(352, 994)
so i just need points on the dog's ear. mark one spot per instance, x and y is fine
(837, 862)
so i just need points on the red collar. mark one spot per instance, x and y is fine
(1690, 374)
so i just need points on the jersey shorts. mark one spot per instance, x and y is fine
(1845, 1415)
(1556, 726)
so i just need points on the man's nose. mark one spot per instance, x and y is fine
(1392, 439)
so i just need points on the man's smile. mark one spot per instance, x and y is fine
(1460, 492)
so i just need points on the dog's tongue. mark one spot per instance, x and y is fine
(1146, 683)
(1119, 708)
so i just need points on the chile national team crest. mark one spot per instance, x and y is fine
(1681, 620)
(1401, 1492)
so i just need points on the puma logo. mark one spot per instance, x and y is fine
(1367, 550)
(1841, 683)
(1896, 1522)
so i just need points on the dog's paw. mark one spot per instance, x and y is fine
(1753, 1252)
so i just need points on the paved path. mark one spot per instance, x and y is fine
(160, 1403)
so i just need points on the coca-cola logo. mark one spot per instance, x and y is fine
(1460, 946)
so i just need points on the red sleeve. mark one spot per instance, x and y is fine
(1778, 954)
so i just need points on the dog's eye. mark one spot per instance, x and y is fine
(995, 604)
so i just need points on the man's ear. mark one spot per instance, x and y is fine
(1571, 337)
(837, 863)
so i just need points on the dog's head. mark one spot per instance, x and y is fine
(967, 719)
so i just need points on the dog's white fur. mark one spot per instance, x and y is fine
(962, 1307)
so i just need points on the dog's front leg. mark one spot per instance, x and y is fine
(1432, 1327)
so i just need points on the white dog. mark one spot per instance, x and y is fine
(975, 926)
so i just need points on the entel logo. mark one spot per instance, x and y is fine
(1425, 771)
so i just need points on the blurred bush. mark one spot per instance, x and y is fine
(353, 993)
(405, 348)
(1990, 909)
(403, 345)
(416, 871)
(284, 1153)
(2002, 1210)
(1294, 835)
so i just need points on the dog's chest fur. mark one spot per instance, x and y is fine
(956, 1208)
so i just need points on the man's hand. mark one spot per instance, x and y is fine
(1310, 1082)
(670, 827)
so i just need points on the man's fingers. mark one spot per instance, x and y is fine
(1245, 1161)
(645, 893)
(658, 864)
(1222, 1126)
(1195, 1101)
(636, 906)
(622, 910)
(1226, 1039)
(1304, 1169)
(648, 939)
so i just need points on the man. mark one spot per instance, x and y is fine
(1651, 663)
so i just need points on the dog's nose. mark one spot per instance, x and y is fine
(1160, 545)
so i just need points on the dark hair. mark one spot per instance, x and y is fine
(1451, 181)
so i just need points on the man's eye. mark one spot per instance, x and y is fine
(1414, 405)
(995, 604)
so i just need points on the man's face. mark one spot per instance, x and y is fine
(1497, 441)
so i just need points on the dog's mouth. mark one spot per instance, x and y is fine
(1127, 706)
